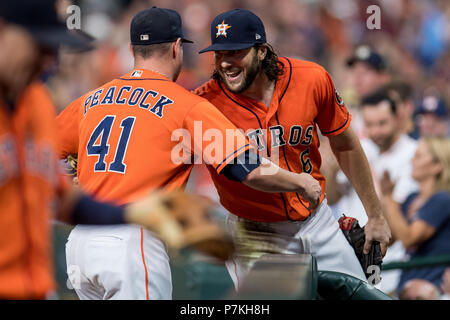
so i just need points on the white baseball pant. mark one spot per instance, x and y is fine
(123, 262)
(318, 235)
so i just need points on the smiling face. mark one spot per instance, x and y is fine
(238, 68)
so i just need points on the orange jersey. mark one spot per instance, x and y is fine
(304, 99)
(29, 179)
(131, 134)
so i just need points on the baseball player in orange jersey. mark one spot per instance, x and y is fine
(281, 103)
(125, 134)
(31, 183)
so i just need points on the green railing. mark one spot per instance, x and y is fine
(441, 260)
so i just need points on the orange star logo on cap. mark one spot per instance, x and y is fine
(222, 29)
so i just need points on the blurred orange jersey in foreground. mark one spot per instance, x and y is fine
(29, 180)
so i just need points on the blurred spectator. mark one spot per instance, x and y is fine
(432, 118)
(445, 286)
(317, 30)
(413, 41)
(422, 222)
(368, 71)
(418, 289)
(402, 93)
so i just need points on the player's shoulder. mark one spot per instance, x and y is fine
(301, 63)
(38, 96)
(306, 75)
(303, 68)
(208, 89)
(90, 93)
(165, 87)
(38, 90)
(188, 98)
(101, 88)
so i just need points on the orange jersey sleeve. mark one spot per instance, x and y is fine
(333, 117)
(67, 127)
(220, 141)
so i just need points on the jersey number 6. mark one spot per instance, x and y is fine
(306, 162)
(101, 149)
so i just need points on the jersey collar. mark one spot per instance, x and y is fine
(144, 74)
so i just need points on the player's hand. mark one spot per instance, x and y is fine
(310, 190)
(182, 220)
(377, 229)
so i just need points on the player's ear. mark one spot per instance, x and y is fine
(261, 52)
(130, 47)
(176, 48)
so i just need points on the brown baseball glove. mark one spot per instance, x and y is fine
(182, 220)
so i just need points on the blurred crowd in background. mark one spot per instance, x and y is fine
(414, 39)
(408, 57)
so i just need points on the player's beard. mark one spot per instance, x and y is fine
(250, 75)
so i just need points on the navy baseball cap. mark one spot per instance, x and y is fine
(235, 30)
(369, 56)
(434, 105)
(156, 25)
(40, 19)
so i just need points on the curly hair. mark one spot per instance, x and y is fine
(272, 67)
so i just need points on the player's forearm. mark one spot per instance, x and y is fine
(268, 177)
(149, 212)
(78, 208)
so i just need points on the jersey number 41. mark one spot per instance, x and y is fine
(101, 149)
